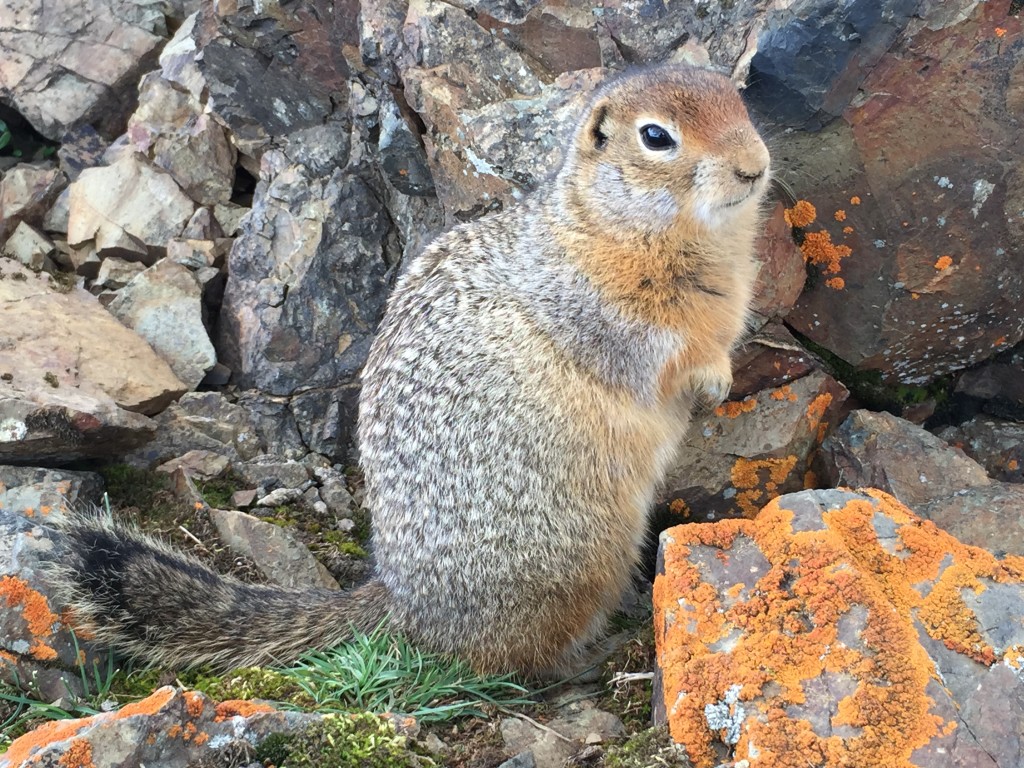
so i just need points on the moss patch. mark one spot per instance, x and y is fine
(342, 741)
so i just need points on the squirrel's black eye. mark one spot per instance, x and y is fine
(656, 137)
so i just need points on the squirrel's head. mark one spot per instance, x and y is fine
(666, 146)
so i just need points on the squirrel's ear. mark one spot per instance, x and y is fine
(595, 133)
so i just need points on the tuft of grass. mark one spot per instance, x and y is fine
(23, 707)
(379, 672)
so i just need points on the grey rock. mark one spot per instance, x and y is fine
(986, 516)
(270, 472)
(163, 305)
(200, 421)
(170, 727)
(280, 496)
(116, 273)
(200, 465)
(997, 444)
(879, 450)
(274, 550)
(522, 760)
(35, 640)
(812, 57)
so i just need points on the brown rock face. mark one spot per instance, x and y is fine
(818, 634)
(921, 181)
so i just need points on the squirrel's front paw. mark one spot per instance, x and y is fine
(711, 384)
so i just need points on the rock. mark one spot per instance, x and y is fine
(547, 750)
(933, 245)
(996, 444)
(883, 451)
(128, 208)
(771, 358)
(29, 246)
(522, 760)
(70, 374)
(277, 333)
(334, 492)
(116, 273)
(64, 69)
(823, 628)
(164, 306)
(80, 148)
(243, 499)
(998, 386)
(277, 554)
(172, 129)
(26, 192)
(36, 647)
(200, 421)
(783, 270)
(201, 465)
(733, 461)
(812, 57)
(269, 472)
(279, 497)
(987, 516)
(170, 727)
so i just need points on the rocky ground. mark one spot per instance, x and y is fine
(202, 210)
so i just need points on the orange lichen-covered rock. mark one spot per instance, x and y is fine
(838, 629)
(747, 452)
(170, 727)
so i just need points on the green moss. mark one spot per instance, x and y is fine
(218, 491)
(131, 487)
(869, 387)
(51, 378)
(345, 545)
(135, 684)
(652, 748)
(342, 741)
(250, 683)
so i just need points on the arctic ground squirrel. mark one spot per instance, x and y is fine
(526, 393)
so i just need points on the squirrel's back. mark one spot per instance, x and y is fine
(523, 399)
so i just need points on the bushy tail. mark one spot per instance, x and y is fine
(143, 598)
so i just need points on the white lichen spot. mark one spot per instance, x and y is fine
(982, 189)
(12, 430)
(727, 715)
(879, 243)
(943, 181)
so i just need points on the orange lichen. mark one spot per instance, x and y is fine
(758, 480)
(194, 703)
(1000, 32)
(56, 730)
(679, 507)
(1012, 464)
(78, 755)
(855, 200)
(39, 619)
(836, 283)
(240, 708)
(201, 738)
(149, 705)
(999, 342)
(734, 408)
(818, 249)
(174, 731)
(800, 215)
(783, 631)
(840, 215)
(944, 262)
(816, 414)
(915, 296)
(847, 230)
(785, 392)
(810, 479)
